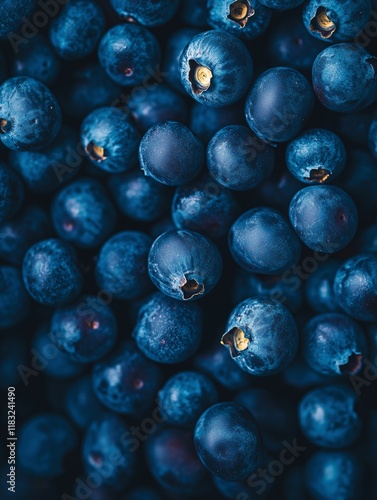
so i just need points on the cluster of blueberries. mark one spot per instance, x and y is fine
(188, 249)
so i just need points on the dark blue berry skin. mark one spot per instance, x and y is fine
(44, 441)
(346, 21)
(158, 103)
(344, 78)
(277, 288)
(83, 214)
(14, 300)
(324, 217)
(367, 240)
(107, 454)
(229, 62)
(238, 159)
(122, 265)
(217, 363)
(75, 33)
(281, 4)
(30, 115)
(146, 12)
(193, 13)
(301, 376)
(205, 207)
(3, 68)
(262, 241)
(81, 403)
(317, 156)
(185, 396)
(126, 381)
(161, 155)
(143, 493)
(289, 44)
(173, 462)
(51, 273)
(89, 88)
(184, 265)
(13, 354)
(334, 344)
(261, 336)
(37, 60)
(334, 474)
(174, 48)
(138, 196)
(319, 288)
(121, 62)
(18, 235)
(329, 418)
(50, 359)
(12, 193)
(294, 484)
(206, 121)
(227, 441)
(12, 13)
(168, 331)
(274, 415)
(84, 334)
(278, 104)
(110, 140)
(354, 127)
(277, 191)
(355, 287)
(44, 171)
(253, 24)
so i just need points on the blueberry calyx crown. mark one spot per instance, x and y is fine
(3, 124)
(318, 174)
(96, 153)
(322, 24)
(353, 365)
(191, 288)
(236, 340)
(240, 12)
(200, 77)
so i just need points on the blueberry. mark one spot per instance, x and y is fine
(83, 214)
(372, 137)
(11, 193)
(121, 269)
(185, 396)
(110, 140)
(138, 196)
(278, 104)
(246, 19)
(46, 170)
(353, 128)
(30, 116)
(324, 217)
(161, 155)
(126, 381)
(262, 241)
(81, 403)
(238, 159)
(344, 77)
(243, 489)
(143, 493)
(103, 441)
(355, 287)
(44, 440)
(261, 336)
(301, 376)
(75, 33)
(173, 463)
(12, 15)
(85, 330)
(37, 60)
(13, 356)
(281, 4)
(168, 331)
(51, 273)
(333, 21)
(121, 62)
(334, 344)
(146, 12)
(184, 265)
(329, 416)
(193, 13)
(14, 300)
(319, 290)
(216, 68)
(317, 156)
(367, 241)
(227, 441)
(278, 288)
(204, 206)
(49, 358)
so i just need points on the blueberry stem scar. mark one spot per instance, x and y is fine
(240, 12)
(322, 24)
(191, 288)
(318, 174)
(200, 77)
(96, 153)
(237, 341)
(353, 364)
